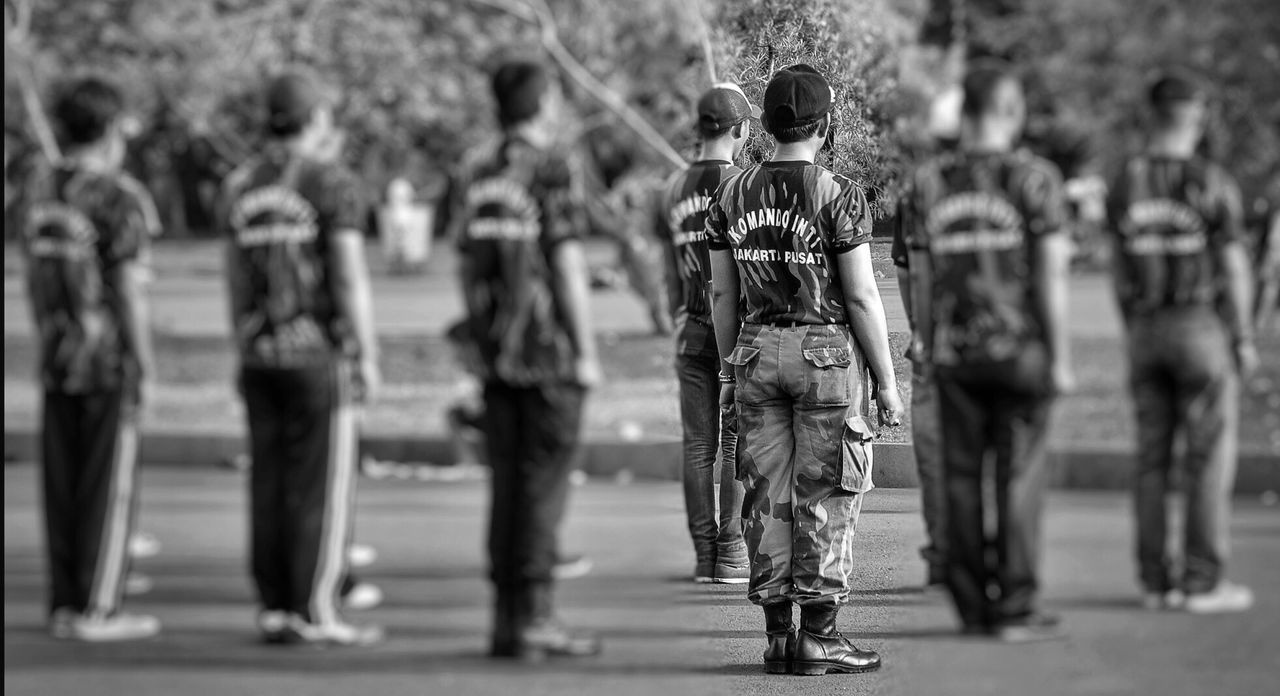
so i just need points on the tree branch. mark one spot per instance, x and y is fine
(537, 12)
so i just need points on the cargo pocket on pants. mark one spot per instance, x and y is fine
(742, 358)
(855, 456)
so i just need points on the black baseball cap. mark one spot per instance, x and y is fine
(1175, 86)
(291, 98)
(722, 107)
(797, 96)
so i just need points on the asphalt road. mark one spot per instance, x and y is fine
(664, 636)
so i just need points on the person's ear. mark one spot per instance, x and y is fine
(825, 128)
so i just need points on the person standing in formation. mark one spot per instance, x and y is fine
(795, 304)
(1184, 285)
(86, 236)
(524, 277)
(984, 225)
(680, 222)
(302, 319)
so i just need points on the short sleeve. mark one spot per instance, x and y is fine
(348, 207)
(717, 224)
(850, 217)
(1228, 209)
(561, 207)
(1044, 200)
(135, 223)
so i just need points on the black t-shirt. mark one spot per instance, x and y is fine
(511, 204)
(80, 226)
(681, 220)
(282, 216)
(978, 216)
(785, 223)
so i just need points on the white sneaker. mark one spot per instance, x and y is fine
(361, 555)
(136, 583)
(363, 596)
(61, 622)
(143, 545)
(338, 633)
(1225, 597)
(1159, 601)
(117, 627)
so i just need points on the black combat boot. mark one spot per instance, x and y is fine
(540, 635)
(781, 633)
(821, 649)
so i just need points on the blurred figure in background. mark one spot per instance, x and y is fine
(910, 126)
(680, 223)
(524, 277)
(1178, 228)
(302, 319)
(86, 234)
(985, 226)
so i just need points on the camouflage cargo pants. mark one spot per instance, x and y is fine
(804, 457)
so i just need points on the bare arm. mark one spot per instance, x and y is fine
(1053, 255)
(724, 304)
(1239, 300)
(354, 295)
(904, 290)
(865, 312)
(569, 270)
(135, 314)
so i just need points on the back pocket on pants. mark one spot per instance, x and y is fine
(855, 456)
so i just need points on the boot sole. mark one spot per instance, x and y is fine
(814, 669)
(771, 667)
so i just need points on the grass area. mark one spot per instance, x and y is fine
(422, 380)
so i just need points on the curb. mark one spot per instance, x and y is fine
(1101, 468)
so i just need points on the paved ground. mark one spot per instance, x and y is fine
(188, 297)
(663, 636)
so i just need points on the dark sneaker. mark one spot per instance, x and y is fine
(1030, 629)
(704, 571)
(732, 573)
(571, 566)
(61, 622)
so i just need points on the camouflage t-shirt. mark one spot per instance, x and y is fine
(80, 227)
(512, 204)
(681, 223)
(1171, 218)
(281, 216)
(785, 223)
(978, 216)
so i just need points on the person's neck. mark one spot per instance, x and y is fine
(93, 158)
(530, 132)
(803, 151)
(716, 150)
(1175, 144)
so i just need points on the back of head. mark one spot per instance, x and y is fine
(292, 98)
(796, 104)
(721, 108)
(86, 109)
(518, 86)
(991, 88)
(1177, 98)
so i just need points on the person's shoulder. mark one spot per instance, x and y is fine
(1035, 169)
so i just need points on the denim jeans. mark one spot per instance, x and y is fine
(1184, 386)
(698, 367)
(804, 456)
(926, 438)
(992, 427)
